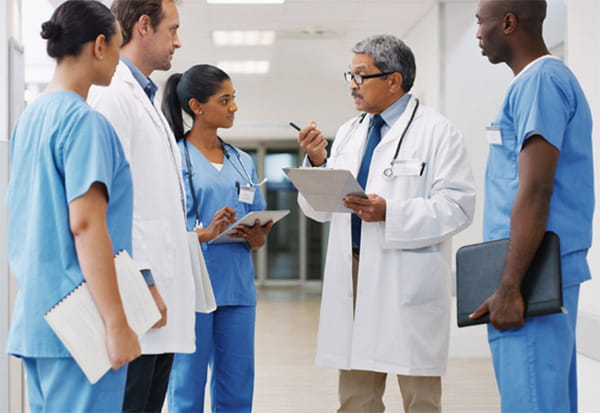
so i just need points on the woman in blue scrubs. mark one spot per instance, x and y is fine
(222, 186)
(70, 211)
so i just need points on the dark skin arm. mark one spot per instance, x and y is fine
(537, 164)
(255, 236)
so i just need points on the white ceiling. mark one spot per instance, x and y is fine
(311, 51)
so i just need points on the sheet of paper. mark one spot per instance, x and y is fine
(249, 219)
(77, 322)
(325, 188)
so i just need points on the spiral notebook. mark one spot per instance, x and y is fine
(77, 322)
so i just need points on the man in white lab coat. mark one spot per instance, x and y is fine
(159, 228)
(386, 293)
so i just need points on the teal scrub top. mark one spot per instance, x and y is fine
(545, 99)
(58, 149)
(230, 264)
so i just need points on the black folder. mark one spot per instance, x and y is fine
(479, 268)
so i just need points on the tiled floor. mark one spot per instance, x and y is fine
(287, 381)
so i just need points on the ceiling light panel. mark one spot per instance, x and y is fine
(245, 66)
(243, 37)
(245, 1)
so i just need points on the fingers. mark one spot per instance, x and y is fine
(123, 346)
(370, 209)
(160, 304)
(310, 129)
(312, 142)
(163, 319)
(360, 206)
(482, 310)
(267, 227)
(225, 214)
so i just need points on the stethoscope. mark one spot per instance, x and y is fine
(244, 172)
(388, 173)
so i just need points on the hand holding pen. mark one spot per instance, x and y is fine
(221, 220)
(312, 142)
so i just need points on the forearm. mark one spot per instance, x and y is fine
(528, 224)
(95, 255)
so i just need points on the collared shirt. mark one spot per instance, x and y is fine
(150, 89)
(393, 113)
(145, 82)
(390, 116)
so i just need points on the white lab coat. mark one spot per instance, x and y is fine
(159, 226)
(401, 324)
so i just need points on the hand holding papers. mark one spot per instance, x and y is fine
(77, 322)
(249, 220)
(325, 188)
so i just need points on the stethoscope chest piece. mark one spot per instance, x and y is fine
(388, 173)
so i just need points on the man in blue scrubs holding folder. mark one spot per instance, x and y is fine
(539, 177)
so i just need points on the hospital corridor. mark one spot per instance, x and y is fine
(225, 115)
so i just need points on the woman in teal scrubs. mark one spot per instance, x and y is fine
(222, 186)
(70, 211)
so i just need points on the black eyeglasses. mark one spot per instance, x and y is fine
(359, 79)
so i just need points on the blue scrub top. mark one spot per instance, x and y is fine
(229, 264)
(545, 99)
(59, 148)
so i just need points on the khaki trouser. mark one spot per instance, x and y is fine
(362, 391)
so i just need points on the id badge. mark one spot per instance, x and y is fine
(494, 135)
(407, 167)
(247, 194)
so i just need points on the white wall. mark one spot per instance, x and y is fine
(4, 298)
(583, 56)
(10, 369)
(424, 40)
(472, 91)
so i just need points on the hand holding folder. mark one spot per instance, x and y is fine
(325, 188)
(479, 269)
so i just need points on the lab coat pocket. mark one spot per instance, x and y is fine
(160, 249)
(425, 276)
(407, 182)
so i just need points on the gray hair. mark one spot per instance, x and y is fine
(390, 54)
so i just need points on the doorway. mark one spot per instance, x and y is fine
(295, 249)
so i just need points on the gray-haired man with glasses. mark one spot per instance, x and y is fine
(386, 293)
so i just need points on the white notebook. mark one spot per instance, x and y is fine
(77, 322)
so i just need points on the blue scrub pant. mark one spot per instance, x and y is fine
(536, 366)
(58, 385)
(225, 342)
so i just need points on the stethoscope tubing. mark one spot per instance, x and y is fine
(388, 172)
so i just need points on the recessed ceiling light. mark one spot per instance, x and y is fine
(243, 37)
(245, 1)
(245, 66)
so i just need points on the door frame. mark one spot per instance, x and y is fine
(262, 146)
